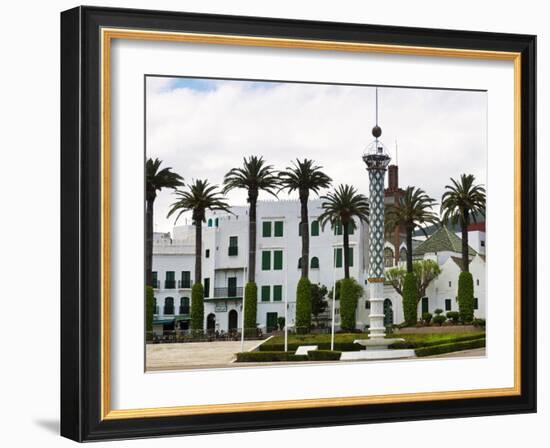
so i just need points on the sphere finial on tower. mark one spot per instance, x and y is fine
(376, 131)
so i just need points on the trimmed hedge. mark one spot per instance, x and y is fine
(324, 355)
(149, 311)
(340, 346)
(303, 306)
(348, 303)
(269, 357)
(197, 307)
(250, 309)
(410, 299)
(466, 297)
(465, 338)
(450, 347)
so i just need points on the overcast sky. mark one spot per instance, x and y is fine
(202, 128)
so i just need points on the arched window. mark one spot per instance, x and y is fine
(209, 222)
(315, 228)
(314, 263)
(388, 257)
(184, 305)
(300, 263)
(403, 254)
(169, 305)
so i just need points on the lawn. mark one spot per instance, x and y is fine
(344, 341)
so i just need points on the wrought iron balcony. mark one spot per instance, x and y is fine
(228, 292)
(169, 284)
(184, 310)
(185, 284)
(156, 284)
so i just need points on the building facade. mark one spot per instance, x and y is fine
(224, 267)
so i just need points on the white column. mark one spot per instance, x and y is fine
(376, 316)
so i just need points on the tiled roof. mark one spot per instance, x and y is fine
(442, 240)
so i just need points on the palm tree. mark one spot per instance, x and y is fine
(304, 177)
(155, 180)
(340, 208)
(414, 209)
(198, 197)
(460, 203)
(253, 176)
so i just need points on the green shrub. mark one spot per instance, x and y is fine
(197, 308)
(280, 346)
(281, 323)
(426, 318)
(250, 309)
(278, 356)
(410, 299)
(438, 311)
(450, 347)
(439, 319)
(324, 355)
(466, 297)
(479, 322)
(303, 306)
(454, 316)
(149, 311)
(349, 296)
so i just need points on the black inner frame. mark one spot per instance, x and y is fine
(81, 221)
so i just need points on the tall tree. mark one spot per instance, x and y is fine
(198, 197)
(155, 180)
(340, 207)
(255, 175)
(304, 176)
(460, 204)
(414, 209)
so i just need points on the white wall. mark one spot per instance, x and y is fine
(30, 142)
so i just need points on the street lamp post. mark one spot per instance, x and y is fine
(377, 159)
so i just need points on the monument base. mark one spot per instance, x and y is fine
(377, 355)
(377, 343)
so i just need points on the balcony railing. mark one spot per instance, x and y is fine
(169, 284)
(228, 292)
(233, 251)
(184, 309)
(156, 284)
(185, 284)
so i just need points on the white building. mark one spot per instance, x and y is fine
(278, 252)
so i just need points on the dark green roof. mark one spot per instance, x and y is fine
(442, 240)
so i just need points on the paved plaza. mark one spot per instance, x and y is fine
(194, 354)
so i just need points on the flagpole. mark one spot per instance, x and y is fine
(333, 301)
(244, 289)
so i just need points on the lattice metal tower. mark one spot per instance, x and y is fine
(377, 159)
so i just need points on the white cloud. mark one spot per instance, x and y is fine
(203, 133)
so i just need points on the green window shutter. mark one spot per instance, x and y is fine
(476, 303)
(300, 263)
(265, 294)
(278, 260)
(279, 225)
(266, 260)
(350, 228)
(155, 279)
(338, 257)
(315, 228)
(314, 263)
(266, 229)
(277, 293)
(447, 304)
(206, 287)
(350, 252)
(425, 305)
(338, 229)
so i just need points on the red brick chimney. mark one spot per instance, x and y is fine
(393, 178)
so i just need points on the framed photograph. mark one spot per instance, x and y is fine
(273, 223)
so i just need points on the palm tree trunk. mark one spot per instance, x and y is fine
(198, 251)
(252, 200)
(465, 253)
(149, 243)
(304, 224)
(346, 250)
(409, 239)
